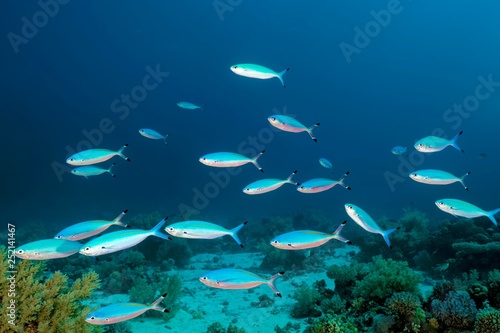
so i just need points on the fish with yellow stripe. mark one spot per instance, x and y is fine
(120, 240)
(307, 239)
(203, 230)
(91, 228)
(47, 249)
(116, 313)
(233, 278)
(462, 208)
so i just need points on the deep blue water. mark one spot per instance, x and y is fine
(64, 80)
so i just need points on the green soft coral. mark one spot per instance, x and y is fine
(332, 324)
(146, 290)
(46, 304)
(488, 321)
(386, 278)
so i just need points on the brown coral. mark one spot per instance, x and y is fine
(44, 304)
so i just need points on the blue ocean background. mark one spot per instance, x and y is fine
(64, 80)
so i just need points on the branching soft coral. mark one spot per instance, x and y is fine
(145, 290)
(386, 278)
(45, 305)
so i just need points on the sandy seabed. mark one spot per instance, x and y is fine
(230, 306)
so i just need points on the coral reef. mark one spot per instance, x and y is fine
(403, 304)
(406, 307)
(334, 305)
(218, 328)
(386, 278)
(146, 289)
(332, 324)
(457, 310)
(493, 284)
(264, 302)
(45, 304)
(307, 300)
(289, 327)
(488, 321)
(345, 277)
(467, 248)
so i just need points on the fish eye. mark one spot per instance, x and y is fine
(102, 247)
(204, 278)
(275, 242)
(36, 253)
(302, 187)
(92, 317)
(413, 175)
(58, 237)
(235, 67)
(107, 319)
(87, 248)
(20, 251)
(171, 229)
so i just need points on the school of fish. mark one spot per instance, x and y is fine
(70, 240)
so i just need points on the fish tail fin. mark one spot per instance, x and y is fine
(272, 285)
(310, 131)
(462, 180)
(118, 219)
(341, 181)
(454, 142)
(165, 138)
(289, 179)
(386, 236)
(156, 230)
(234, 233)
(110, 170)
(337, 236)
(120, 152)
(154, 305)
(280, 76)
(491, 216)
(254, 160)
